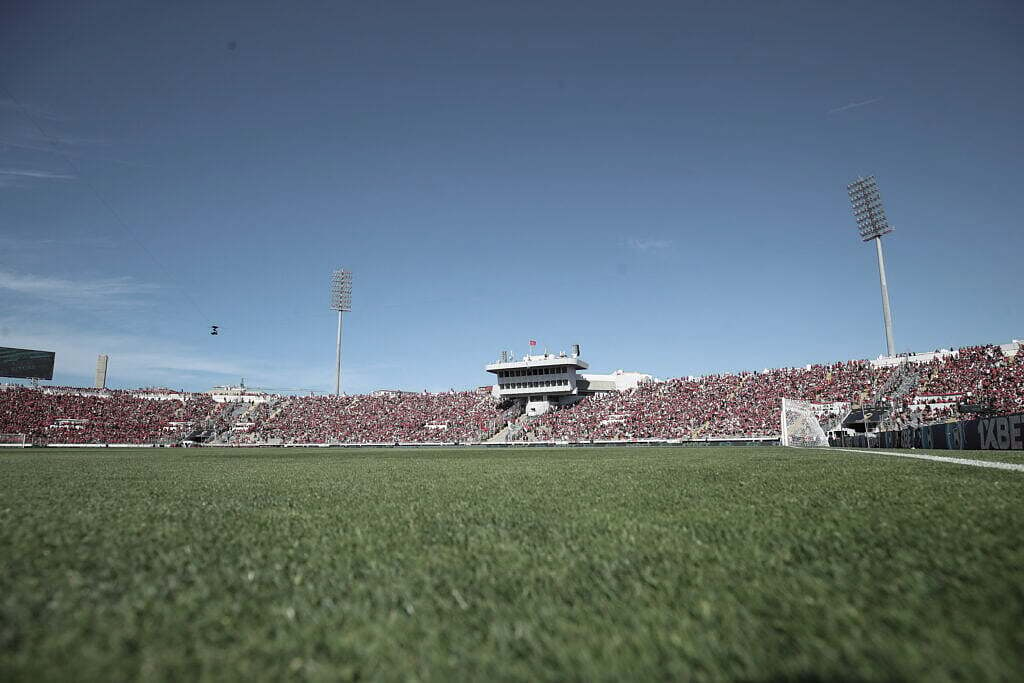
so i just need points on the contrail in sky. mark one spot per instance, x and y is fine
(854, 105)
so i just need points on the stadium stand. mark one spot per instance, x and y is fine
(75, 416)
(397, 418)
(715, 406)
(974, 375)
(746, 405)
(918, 390)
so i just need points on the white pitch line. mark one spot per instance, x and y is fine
(938, 458)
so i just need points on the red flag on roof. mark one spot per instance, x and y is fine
(533, 342)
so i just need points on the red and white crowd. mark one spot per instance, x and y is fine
(69, 415)
(744, 404)
(395, 418)
(979, 376)
(716, 406)
(749, 404)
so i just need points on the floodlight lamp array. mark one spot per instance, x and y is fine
(867, 208)
(341, 290)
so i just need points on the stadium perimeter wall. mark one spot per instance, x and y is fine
(702, 443)
(1003, 433)
(753, 441)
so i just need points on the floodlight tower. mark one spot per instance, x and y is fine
(341, 301)
(872, 223)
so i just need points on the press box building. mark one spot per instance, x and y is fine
(546, 380)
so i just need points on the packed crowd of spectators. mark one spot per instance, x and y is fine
(408, 418)
(746, 404)
(69, 415)
(957, 386)
(715, 406)
(749, 404)
(257, 413)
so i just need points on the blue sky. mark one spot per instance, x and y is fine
(663, 183)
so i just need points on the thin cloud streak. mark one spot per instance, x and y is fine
(29, 244)
(65, 148)
(648, 245)
(854, 105)
(32, 173)
(108, 291)
(31, 110)
(137, 360)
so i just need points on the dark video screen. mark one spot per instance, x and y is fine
(26, 363)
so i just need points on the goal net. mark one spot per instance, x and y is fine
(806, 424)
(13, 440)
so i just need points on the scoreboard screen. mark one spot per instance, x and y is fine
(26, 363)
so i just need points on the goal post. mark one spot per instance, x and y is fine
(8, 440)
(802, 422)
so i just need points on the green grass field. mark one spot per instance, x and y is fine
(701, 564)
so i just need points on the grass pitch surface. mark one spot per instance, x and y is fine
(700, 564)
(1013, 457)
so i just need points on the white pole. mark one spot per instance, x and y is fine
(337, 362)
(886, 312)
(785, 431)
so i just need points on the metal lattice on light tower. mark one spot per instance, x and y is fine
(341, 301)
(872, 223)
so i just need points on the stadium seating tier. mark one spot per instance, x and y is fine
(716, 406)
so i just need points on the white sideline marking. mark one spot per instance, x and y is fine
(922, 456)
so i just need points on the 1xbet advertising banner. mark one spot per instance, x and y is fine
(1002, 433)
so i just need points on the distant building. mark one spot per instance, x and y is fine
(620, 380)
(547, 380)
(390, 393)
(238, 394)
(101, 371)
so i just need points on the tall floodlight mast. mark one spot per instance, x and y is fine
(872, 223)
(341, 301)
